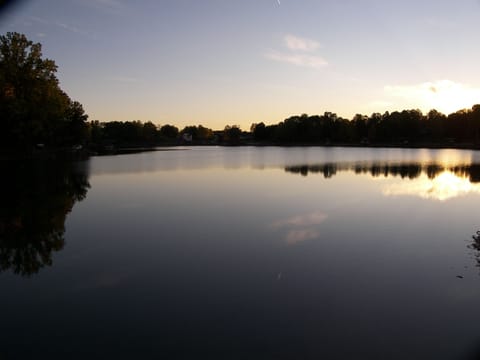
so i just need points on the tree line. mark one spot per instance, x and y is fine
(407, 127)
(398, 128)
(136, 133)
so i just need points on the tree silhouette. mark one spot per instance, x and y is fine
(169, 131)
(231, 134)
(33, 106)
(399, 128)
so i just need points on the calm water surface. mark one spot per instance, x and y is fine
(243, 253)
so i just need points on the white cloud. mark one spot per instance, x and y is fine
(312, 61)
(444, 95)
(421, 89)
(302, 44)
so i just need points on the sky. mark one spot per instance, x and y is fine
(225, 62)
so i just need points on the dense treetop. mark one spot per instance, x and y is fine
(34, 109)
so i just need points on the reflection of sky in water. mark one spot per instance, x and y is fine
(300, 228)
(443, 187)
(189, 158)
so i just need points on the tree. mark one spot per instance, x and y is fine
(169, 131)
(259, 131)
(359, 122)
(231, 134)
(95, 130)
(200, 134)
(149, 132)
(204, 134)
(475, 116)
(33, 106)
(76, 128)
(437, 124)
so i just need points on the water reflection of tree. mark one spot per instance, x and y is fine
(404, 170)
(36, 198)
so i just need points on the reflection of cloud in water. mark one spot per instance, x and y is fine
(300, 227)
(313, 218)
(445, 186)
(298, 235)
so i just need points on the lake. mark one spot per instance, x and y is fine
(243, 253)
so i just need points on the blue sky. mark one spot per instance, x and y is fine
(219, 62)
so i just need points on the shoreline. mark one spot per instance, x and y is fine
(68, 154)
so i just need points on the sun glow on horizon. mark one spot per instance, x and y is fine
(445, 96)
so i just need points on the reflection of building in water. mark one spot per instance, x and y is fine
(430, 181)
(36, 198)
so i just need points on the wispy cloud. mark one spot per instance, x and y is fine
(297, 43)
(315, 62)
(71, 28)
(31, 20)
(49, 25)
(300, 52)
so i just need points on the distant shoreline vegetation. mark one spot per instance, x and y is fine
(39, 119)
(407, 128)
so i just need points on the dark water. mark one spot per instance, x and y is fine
(242, 253)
